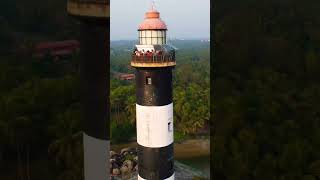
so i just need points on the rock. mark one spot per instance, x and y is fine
(127, 169)
(134, 163)
(112, 153)
(124, 164)
(124, 150)
(118, 159)
(135, 158)
(115, 165)
(116, 171)
(133, 150)
(129, 157)
(132, 153)
(124, 170)
(128, 163)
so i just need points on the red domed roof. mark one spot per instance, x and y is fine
(152, 21)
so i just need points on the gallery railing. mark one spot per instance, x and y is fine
(168, 57)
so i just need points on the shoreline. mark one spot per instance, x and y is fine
(188, 148)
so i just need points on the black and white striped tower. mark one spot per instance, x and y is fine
(154, 108)
(94, 68)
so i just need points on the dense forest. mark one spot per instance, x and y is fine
(39, 99)
(191, 87)
(266, 91)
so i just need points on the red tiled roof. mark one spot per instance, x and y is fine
(152, 21)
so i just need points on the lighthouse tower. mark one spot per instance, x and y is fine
(154, 60)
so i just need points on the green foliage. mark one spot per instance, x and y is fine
(67, 154)
(191, 90)
(266, 90)
(36, 109)
(198, 178)
(179, 136)
(122, 100)
(122, 132)
(191, 107)
(191, 85)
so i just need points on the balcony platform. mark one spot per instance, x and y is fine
(153, 61)
(144, 64)
(89, 8)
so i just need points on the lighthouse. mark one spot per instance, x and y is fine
(93, 16)
(154, 61)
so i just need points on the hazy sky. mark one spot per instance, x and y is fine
(186, 19)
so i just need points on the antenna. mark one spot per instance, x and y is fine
(153, 5)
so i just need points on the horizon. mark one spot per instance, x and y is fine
(124, 25)
(180, 39)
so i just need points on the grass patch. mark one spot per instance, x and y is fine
(122, 132)
(179, 136)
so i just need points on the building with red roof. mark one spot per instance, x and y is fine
(56, 49)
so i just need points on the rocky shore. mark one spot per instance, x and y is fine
(124, 165)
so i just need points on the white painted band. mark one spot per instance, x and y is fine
(170, 178)
(154, 125)
(96, 158)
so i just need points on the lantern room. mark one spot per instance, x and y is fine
(152, 30)
(152, 49)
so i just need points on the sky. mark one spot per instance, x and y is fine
(186, 19)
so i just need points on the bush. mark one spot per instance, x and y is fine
(122, 132)
(179, 136)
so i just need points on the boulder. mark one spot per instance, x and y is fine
(112, 154)
(128, 163)
(124, 150)
(116, 171)
(125, 170)
(135, 158)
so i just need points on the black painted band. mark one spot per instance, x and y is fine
(94, 68)
(159, 92)
(155, 163)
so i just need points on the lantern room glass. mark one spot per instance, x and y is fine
(149, 37)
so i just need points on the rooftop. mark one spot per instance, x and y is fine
(153, 21)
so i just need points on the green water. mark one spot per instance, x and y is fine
(200, 163)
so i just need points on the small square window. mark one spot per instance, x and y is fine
(148, 80)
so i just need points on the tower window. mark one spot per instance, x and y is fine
(169, 127)
(148, 80)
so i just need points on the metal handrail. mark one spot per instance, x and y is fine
(170, 57)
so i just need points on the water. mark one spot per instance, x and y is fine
(200, 163)
(194, 153)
